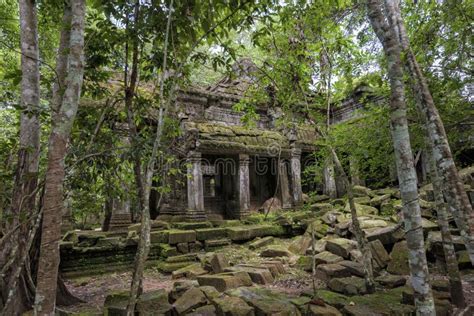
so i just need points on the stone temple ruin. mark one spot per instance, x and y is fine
(231, 169)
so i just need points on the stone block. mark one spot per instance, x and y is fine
(190, 271)
(219, 263)
(180, 287)
(192, 225)
(261, 242)
(191, 299)
(326, 257)
(391, 281)
(355, 268)
(182, 258)
(379, 254)
(243, 233)
(225, 281)
(116, 303)
(259, 275)
(181, 236)
(232, 306)
(341, 246)
(159, 237)
(326, 310)
(399, 259)
(387, 235)
(349, 286)
(216, 243)
(168, 267)
(182, 247)
(275, 266)
(154, 303)
(300, 245)
(210, 233)
(275, 251)
(326, 272)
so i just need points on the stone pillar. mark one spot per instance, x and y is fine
(284, 185)
(329, 179)
(195, 209)
(244, 186)
(296, 176)
(121, 216)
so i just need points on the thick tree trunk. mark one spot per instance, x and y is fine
(14, 251)
(404, 159)
(63, 120)
(358, 232)
(453, 187)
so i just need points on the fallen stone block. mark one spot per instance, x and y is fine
(349, 286)
(159, 237)
(399, 259)
(182, 247)
(116, 303)
(341, 246)
(326, 272)
(219, 263)
(327, 257)
(319, 246)
(259, 275)
(217, 243)
(275, 266)
(182, 258)
(243, 233)
(154, 303)
(332, 298)
(206, 310)
(225, 281)
(300, 245)
(379, 254)
(169, 267)
(232, 306)
(391, 281)
(191, 225)
(181, 236)
(191, 299)
(275, 251)
(355, 268)
(191, 271)
(261, 242)
(387, 235)
(180, 287)
(317, 310)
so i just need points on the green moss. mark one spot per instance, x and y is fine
(332, 298)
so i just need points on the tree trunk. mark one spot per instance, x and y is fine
(455, 193)
(15, 249)
(404, 159)
(358, 232)
(63, 120)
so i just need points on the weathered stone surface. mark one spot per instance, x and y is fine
(379, 199)
(318, 228)
(327, 310)
(210, 233)
(192, 225)
(354, 267)
(332, 298)
(261, 242)
(327, 257)
(195, 246)
(275, 266)
(116, 303)
(373, 223)
(399, 259)
(225, 281)
(259, 275)
(182, 247)
(300, 244)
(154, 303)
(275, 251)
(330, 218)
(391, 281)
(242, 233)
(180, 287)
(191, 299)
(219, 263)
(321, 207)
(190, 271)
(379, 254)
(361, 191)
(463, 260)
(216, 243)
(266, 302)
(210, 292)
(233, 306)
(428, 225)
(159, 237)
(362, 209)
(362, 200)
(206, 310)
(169, 267)
(350, 285)
(341, 246)
(325, 272)
(181, 236)
(182, 258)
(387, 235)
(319, 246)
(109, 242)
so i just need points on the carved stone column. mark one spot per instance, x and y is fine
(329, 179)
(195, 209)
(284, 185)
(296, 176)
(244, 186)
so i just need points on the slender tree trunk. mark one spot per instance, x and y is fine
(404, 159)
(63, 120)
(14, 251)
(454, 191)
(358, 232)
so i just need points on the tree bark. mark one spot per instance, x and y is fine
(453, 186)
(63, 120)
(404, 159)
(358, 232)
(15, 250)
